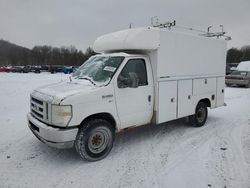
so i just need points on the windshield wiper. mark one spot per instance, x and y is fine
(86, 78)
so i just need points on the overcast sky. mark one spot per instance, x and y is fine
(79, 22)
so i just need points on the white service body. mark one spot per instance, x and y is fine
(181, 70)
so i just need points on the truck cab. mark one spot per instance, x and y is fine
(114, 87)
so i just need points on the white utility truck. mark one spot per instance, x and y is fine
(141, 76)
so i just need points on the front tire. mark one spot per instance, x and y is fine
(200, 116)
(95, 140)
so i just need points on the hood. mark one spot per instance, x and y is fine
(60, 91)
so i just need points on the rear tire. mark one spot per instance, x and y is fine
(95, 140)
(200, 116)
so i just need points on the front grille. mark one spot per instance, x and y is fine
(39, 109)
(37, 101)
(37, 114)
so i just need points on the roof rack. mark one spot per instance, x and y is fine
(155, 23)
(216, 34)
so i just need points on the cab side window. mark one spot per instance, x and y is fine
(137, 67)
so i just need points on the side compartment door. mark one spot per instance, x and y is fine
(167, 101)
(185, 103)
(220, 91)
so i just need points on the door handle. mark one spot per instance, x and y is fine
(172, 99)
(149, 98)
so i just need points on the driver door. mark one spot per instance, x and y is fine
(134, 105)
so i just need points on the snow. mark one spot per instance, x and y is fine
(169, 155)
(244, 66)
(58, 91)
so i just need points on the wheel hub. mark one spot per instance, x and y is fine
(98, 140)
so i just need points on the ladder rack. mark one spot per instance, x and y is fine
(169, 25)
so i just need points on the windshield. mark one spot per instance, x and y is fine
(240, 73)
(99, 70)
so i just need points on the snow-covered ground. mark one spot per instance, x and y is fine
(170, 155)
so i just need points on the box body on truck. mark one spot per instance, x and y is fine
(141, 76)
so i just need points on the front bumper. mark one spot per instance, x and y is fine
(54, 137)
(236, 82)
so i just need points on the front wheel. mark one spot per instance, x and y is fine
(95, 140)
(200, 116)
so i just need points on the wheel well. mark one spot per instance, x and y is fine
(105, 116)
(206, 101)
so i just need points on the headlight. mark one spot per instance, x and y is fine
(61, 115)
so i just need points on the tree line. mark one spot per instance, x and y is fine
(11, 54)
(235, 55)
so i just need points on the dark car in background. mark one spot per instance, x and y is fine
(55, 68)
(31, 68)
(230, 67)
(44, 68)
(36, 69)
(16, 69)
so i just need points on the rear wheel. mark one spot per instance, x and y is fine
(95, 140)
(200, 116)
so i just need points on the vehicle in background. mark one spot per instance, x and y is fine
(36, 69)
(17, 69)
(230, 67)
(240, 76)
(70, 69)
(31, 68)
(4, 69)
(55, 68)
(26, 69)
(44, 68)
(75, 68)
(139, 78)
(67, 69)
